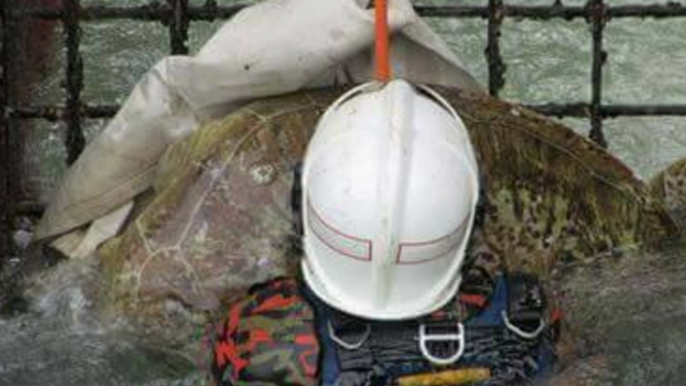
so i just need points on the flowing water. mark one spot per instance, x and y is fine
(551, 61)
(60, 340)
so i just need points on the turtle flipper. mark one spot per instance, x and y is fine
(669, 187)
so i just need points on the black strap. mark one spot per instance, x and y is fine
(394, 352)
(391, 348)
(296, 200)
(526, 301)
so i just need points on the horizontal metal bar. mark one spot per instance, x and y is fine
(28, 209)
(452, 11)
(154, 11)
(671, 9)
(544, 12)
(614, 111)
(532, 12)
(210, 12)
(56, 113)
(580, 109)
(583, 110)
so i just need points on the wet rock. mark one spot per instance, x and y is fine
(626, 321)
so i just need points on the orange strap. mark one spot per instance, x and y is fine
(474, 300)
(383, 66)
(556, 315)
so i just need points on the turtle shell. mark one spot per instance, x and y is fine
(669, 186)
(218, 218)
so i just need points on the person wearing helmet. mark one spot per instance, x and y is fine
(387, 197)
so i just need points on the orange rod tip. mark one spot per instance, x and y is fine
(382, 54)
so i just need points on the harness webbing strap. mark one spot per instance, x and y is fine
(391, 350)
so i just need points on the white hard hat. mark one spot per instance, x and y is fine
(390, 187)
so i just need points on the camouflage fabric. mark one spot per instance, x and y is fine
(268, 338)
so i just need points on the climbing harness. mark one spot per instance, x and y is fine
(496, 335)
(281, 333)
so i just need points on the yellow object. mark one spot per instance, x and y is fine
(451, 377)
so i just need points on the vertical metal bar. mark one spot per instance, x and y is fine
(598, 19)
(496, 65)
(75, 138)
(5, 150)
(178, 27)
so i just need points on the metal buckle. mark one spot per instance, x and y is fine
(521, 333)
(348, 345)
(424, 337)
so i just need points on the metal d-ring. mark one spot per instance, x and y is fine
(521, 333)
(347, 345)
(458, 337)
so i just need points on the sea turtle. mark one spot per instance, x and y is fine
(669, 187)
(218, 218)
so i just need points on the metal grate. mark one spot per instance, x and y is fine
(178, 14)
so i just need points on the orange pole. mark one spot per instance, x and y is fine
(383, 63)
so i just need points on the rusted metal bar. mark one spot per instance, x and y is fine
(597, 20)
(556, 11)
(583, 110)
(496, 65)
(76, 141)
(56, 113)
(6, 164)
(178, 27)
(670, 9)
(545, 12)
(29, 209)
(577, 110)
(614, 111)
(153, 12)
(210, 11)
(537, 12)
(452, 12)
(561, 110)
